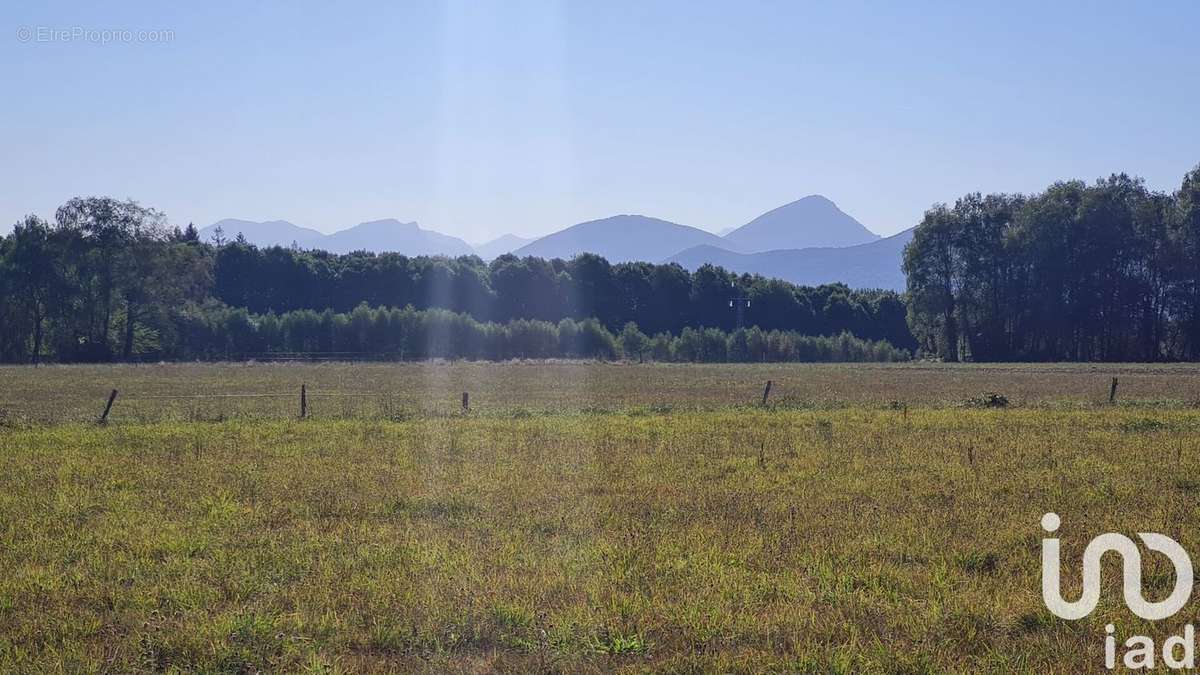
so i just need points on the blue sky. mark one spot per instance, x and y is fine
(480, 118)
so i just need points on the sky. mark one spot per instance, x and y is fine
(482, 118)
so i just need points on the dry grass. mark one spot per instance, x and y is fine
(603, 534)
(56, 394)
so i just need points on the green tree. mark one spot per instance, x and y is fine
(930, 267)
(36, 283)
(634, 342)
(117, 237)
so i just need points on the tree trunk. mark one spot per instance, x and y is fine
(37, 336)
(950, 337)
(950, 328)
(127, 351)
(107, 314)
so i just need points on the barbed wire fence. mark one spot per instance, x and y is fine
(217, 406)
(301, 403)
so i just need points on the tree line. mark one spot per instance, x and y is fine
(659, 298)
(112, 280)
(1103, 272)
(388, 332)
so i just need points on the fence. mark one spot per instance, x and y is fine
(301, 404)
(202, 393)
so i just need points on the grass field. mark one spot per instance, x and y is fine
(579, 518)
(208, 392)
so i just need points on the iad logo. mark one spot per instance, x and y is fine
(1131, 559)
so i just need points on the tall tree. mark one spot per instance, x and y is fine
(930, 264)
(36, 283)
(112, 269)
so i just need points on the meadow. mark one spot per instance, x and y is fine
(579, 517)
(213, 392)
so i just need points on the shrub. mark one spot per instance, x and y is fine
(988, 399)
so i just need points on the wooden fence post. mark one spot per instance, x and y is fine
(466, 402)
(1112, 391)
(303, 401)
(766, 392)
(107, 407)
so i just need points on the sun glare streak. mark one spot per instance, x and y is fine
(503, 111)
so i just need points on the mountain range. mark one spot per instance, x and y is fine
(267, 233)
(872, 265)
(388, 234)
(808, 241)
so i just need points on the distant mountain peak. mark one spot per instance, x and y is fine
(393, 235)
(621, 238)
(875, 264)
(264, 233)
(816, 198)
(389, 222)
(505, 243)
(813, 220)
(386, 234)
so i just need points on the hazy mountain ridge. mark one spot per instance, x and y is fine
(505, 243)
(392, 235)
(383, 235)
(810, 222)
(872, 265)
(621, 239)
(266, 233)
(808, 241)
